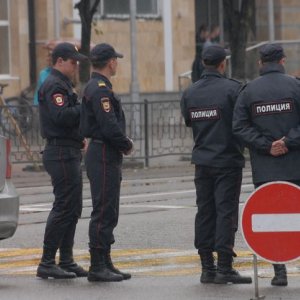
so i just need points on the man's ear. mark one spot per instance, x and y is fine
(222, 66)
(282, 61)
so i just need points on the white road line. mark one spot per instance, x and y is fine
(47, 206)
(159, 194)
(155, 206)
(43, 207)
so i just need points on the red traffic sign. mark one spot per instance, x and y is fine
(271, 222)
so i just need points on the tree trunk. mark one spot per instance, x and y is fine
(239, 26)
(86, 12)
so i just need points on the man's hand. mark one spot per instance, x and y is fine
(85, 145)
(278, 148)
(131, 149)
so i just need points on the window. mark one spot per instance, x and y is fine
(121, 9)
(4, 38)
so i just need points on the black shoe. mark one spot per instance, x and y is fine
(45, 271)
(208, 276)
(125, 276)
(103, 274)
(231, 276)
(279, 281)
(74, 268)
(109, 264)
(208, 267)
(280, 278)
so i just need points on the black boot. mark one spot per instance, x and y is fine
(208, 267)
(280, 278)
(66, 262)
(47, 267)
(111, 267)
(98, 270)
(226, 274)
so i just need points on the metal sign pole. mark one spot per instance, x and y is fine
(256, 290)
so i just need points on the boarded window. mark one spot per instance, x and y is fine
(4, 38)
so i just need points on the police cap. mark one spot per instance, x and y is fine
(103, 52)
(214, 54)
(67, 50)
(271, 53)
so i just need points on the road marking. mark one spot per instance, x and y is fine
(159, 194)
(47, 206)
(43, 207)
(276, 222)
(140, 262)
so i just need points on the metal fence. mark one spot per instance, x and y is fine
(157, 128)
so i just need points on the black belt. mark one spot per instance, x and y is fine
(98, 141)
(65, 142)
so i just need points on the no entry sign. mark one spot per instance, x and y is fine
(271, 222)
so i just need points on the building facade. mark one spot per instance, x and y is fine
(165, 36)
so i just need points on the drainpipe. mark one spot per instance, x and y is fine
(134, 88)
(32, 41)
(271, 20)
(56, 19)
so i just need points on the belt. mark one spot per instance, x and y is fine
(65, 142)
(98, 141)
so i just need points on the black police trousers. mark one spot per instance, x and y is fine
(63, 164)
(216, 222)
(104, 170)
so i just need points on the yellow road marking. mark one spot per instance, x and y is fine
(146, 262)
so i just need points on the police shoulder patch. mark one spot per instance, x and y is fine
(101, 83)
(105, 104)
(58, 99)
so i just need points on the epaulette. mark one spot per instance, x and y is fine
(243, 87)
(101, 83)
(235, 80)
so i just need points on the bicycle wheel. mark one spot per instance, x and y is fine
(21, 111)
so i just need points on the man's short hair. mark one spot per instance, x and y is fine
(213, 55)
(271, 53)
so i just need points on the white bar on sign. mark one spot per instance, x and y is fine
(275, 222)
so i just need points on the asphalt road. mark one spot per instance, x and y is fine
(154, 241)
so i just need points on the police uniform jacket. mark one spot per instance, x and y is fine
(59, 109)
(207, 107)
(102, 116)
(268, 109)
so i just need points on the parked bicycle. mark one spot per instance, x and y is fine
(20, 109)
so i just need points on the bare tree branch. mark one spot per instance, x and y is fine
(94, 7)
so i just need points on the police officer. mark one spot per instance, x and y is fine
(266, 119)
(59, 118)
(207, 107)
(103, 121)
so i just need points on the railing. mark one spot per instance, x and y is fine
(157, 128)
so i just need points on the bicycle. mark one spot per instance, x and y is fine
(19, 108)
